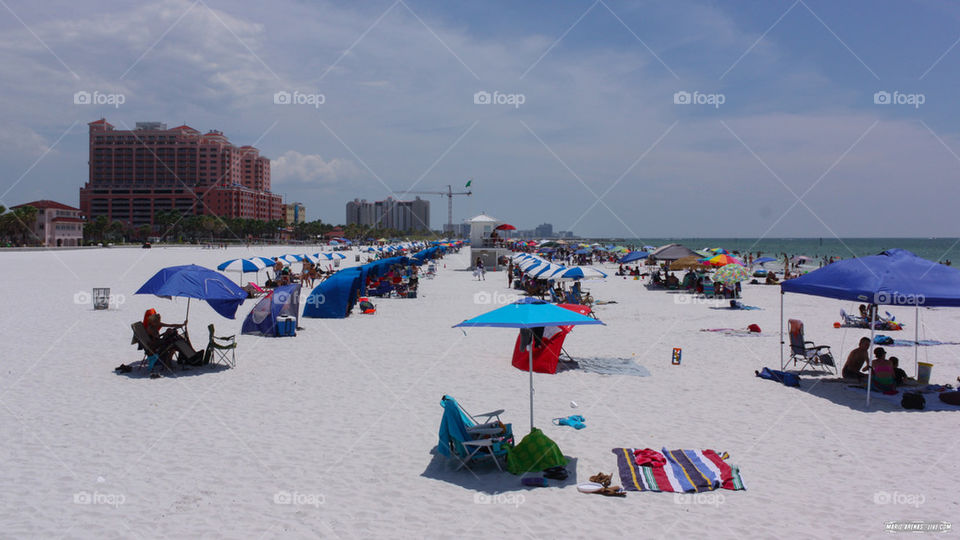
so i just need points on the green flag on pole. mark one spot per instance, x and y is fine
(468, 183)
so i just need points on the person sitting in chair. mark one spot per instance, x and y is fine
(153, 325)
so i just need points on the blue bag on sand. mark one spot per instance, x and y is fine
(788, 379)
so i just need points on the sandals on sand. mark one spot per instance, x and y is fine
(608, 490)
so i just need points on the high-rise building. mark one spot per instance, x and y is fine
(136, 173)
(390, 213)
(544, 230)
(295, 213)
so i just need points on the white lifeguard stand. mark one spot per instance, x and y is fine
(481, 245)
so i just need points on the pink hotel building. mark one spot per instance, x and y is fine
(136, 173)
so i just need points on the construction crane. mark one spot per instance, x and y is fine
(449, 193)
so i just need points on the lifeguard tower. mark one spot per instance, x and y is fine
(482, 245)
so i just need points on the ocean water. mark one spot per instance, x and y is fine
(934, 249)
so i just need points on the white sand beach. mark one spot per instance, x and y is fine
(331, 433)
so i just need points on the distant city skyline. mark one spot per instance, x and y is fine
(610, 119)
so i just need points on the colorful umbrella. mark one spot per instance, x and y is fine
(730, 274)
(723, 260)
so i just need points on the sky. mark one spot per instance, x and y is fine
(609, 118)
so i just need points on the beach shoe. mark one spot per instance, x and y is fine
(123, 368)
(154, 375)
(556, 473)
(602, 479)
(613, 491)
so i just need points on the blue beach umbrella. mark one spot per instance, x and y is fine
(243, 265)
(192, 281)
(579, 272)
(528, 313)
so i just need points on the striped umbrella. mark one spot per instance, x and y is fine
(244, 265)
(577, 273)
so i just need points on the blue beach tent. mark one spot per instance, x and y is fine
(334, 297)
(895, 277)
(281, 302)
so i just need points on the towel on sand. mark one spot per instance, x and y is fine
(535, 452)
(604, 366)
(676, 471)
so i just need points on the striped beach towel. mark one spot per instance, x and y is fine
(676, 471)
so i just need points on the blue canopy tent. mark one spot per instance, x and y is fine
(192, 281)
(895, 277)
(634, 256)
(334, 297)
(529, 313)
(280, 302)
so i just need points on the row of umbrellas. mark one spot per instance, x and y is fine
(542, 269)
(255, 264)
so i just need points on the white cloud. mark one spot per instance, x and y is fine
(294, 167)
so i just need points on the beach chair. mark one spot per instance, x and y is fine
(221, 349)
(254, 290)
(142, 340)
(807, 352)
(466, 438)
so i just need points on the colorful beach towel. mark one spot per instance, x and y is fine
(676, 471)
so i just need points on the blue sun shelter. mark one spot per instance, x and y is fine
(334, 297)
(276, 314)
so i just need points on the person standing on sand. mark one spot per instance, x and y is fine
(479, 271)
(510, 274)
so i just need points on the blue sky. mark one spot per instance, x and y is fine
(797, 146)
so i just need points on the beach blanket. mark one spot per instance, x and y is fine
(888, 341)
(604, 366)
(535, 452)
(788, 379)
(676, 471)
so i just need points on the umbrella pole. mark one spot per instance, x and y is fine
(530, 364)
(781, 329)
(916, 342)
(873, 321)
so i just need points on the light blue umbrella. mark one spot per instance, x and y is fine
(529, 313)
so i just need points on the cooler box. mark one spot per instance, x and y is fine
(286, 326)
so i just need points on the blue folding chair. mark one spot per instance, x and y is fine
(466, 439)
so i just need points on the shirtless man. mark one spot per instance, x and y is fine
(856, 359)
